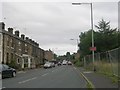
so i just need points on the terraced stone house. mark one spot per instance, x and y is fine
(19, 51)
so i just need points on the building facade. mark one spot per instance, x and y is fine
(49, 55)
(19, 51)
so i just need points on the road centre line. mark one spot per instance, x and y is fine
(54, 70)
(45, 74)
(27, 80)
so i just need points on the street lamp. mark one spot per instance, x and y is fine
(77, 42)
(91, 28)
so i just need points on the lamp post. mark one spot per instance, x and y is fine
(76, 41)
(91, 29)
(53, 50)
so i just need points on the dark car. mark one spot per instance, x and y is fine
(7, 71)
(59, 63)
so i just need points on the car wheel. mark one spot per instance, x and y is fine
(13, 74)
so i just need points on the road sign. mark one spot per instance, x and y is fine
(92, 48)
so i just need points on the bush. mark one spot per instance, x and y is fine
(13, 65)
(78, 63)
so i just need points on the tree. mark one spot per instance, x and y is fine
(85, 42)
(68, 55)
(105, 38)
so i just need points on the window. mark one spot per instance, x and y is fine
(12, 43)
(7, 41)
(11, 56)
(18, 61)
(5, 66)
(7, 57)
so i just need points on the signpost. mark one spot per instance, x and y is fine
(92, 48)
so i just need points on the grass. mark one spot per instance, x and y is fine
(89, 86)
(106, 69)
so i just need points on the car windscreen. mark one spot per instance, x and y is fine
(47, 63)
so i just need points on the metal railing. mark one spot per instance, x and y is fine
(105, 62)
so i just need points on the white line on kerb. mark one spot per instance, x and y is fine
(21, 72)
(45, 74)
(27, 80)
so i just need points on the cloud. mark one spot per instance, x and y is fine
(53, 24)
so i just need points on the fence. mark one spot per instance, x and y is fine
(105, 62)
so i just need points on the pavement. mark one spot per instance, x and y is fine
(98, 80)
(59, 77)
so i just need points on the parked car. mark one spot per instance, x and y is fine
(52, 64)
(47, 65)
(69, 63)
(59, 63)
(7, 71)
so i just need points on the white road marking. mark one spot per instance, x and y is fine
(45, 74)
(54, 70)
(88, 72)
(27, 80)
(21, 72)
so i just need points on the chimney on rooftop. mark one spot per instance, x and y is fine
(2, 25)
(17, 33)
(22, 36)
(10, 30)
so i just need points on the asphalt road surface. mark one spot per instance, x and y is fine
(58, 77)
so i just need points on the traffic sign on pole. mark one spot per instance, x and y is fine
(92, 48)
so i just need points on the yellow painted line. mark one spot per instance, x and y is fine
(88, 81)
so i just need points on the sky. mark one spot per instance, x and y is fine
(53, 23)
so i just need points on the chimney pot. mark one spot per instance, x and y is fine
(17, 33)
(10, 30)
(27, 38)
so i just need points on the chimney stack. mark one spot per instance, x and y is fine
(2, 25)
(17, 33)
(10, 30)
(30, 40)
(27, 38)
(22, 36)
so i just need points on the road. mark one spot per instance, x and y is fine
(58, 77)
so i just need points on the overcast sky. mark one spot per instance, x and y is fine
(53, 24)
